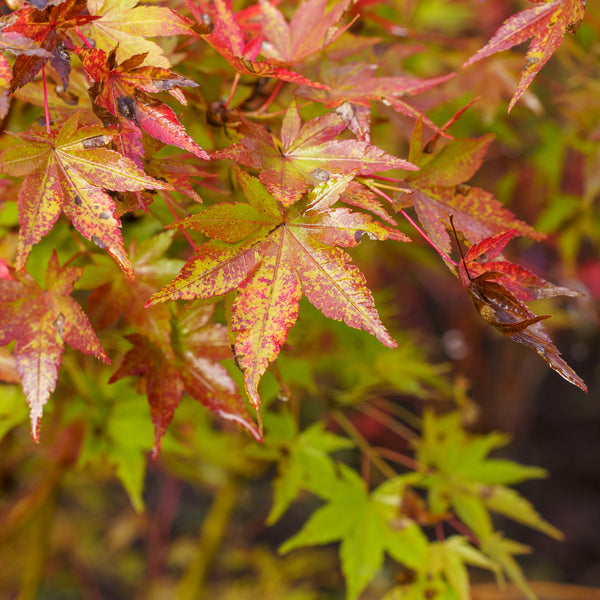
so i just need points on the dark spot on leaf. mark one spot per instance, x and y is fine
(320, 175)
(77, 201)
(247, 64)
(126, 107)
(532, 60)
(62, 51)
(462, 189)
(95, 142)
(104, 215)
(59, 325)
(98, 242)
(428, 149)
(358, 236)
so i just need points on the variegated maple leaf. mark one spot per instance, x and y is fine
(438, 190)
(124, 26)
(42, 320)
(121, 93)
(69, 170)
(547, 22)
(498, 290)
(49, 29)
(306, 154)
(272, 257)
(191, 365)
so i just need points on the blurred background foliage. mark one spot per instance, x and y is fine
(86, 514)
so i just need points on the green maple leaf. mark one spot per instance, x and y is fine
(69, 170)
(437, 191)
(306, 154)
(356, 518)
(42, 320)
(547, 22)
(272, 257)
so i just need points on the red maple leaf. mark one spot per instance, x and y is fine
(69, 170)
(49, 29)
(310, 30)
(547, 22)
(353, 86)
(227, 38)
(192, 365)
(498, 288)
(306, 154)
(122, 94)
(272, 257)
(42, 320)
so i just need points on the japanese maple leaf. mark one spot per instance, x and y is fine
(42, 320)
(354, 86)
(271, 257)
(307, 154)
(49, 29)
(498, 288)
(227, 38)
(310, 30)
(123, 91)
(124, 26)
(547, 22)
(192, 366)
(438, 190)
(68, 169)
(116, 296)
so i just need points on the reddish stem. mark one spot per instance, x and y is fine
(83, 38)
(414, 224)
(46, 107)
(270, 98)
(233, 88)
(167, 198)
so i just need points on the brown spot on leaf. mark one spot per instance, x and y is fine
(95, 142)
(77, 201)
(126, 107)
(104, 215)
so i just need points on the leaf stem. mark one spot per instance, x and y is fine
(46, 108)
(446, 258)
(83, 38)
(363, 444)
(169, 202)
(270, 98)
(233, 88)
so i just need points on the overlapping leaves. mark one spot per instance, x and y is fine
(272, 257)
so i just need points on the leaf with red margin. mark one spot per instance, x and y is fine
(547, 22)
(42, 320)
(191, 365)
(438, 191)
(310, 30)
(122, 93)
(497, 289)
(69, 169)
(49, 29)
(307, 154)
(354, 85)
(227, 38)
(271, 258)
(123, 25)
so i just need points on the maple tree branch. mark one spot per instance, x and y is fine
(388, 421)
(401, 459)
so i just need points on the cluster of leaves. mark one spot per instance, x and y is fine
(101, 148)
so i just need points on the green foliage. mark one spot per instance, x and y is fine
(224, 258)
